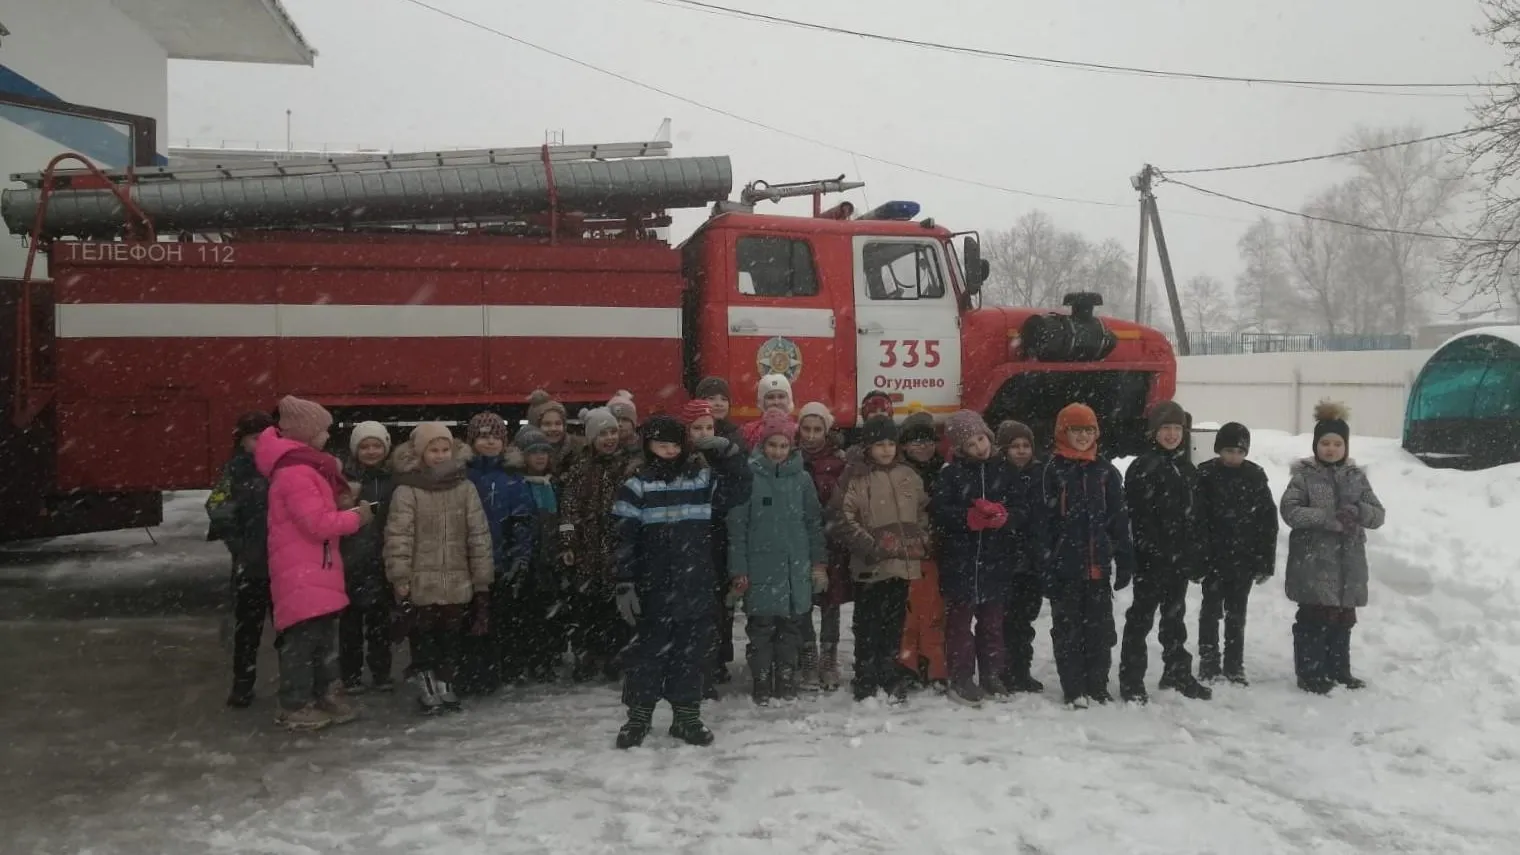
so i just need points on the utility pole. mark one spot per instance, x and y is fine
(288, 146)
(1150, 218)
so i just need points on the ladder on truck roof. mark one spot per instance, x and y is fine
(302, 166)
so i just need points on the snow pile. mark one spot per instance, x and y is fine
(1427, 759)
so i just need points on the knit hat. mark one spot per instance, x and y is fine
(368, 430)
(773, 383)
(540, 403)
(964, 426)
(621, 406)
(486, 424)
(711, 387)
(878, 429)
(875, 403)
(302, 420)
(1330, 417)
(695, 409)
(1166, 413)
(1072, 416)
(775, 423)
(424, 434)
(530, 439)
(598, 421)
(814, 408)
(1233, 435)
(1011, 430)
(252, 424)
(918, 427)
(663, 428)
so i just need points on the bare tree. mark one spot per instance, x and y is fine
(1110, 272)
(1036, 263)
(1403, 190)
(1487, 263)
(1266, 297)
(1315, 251)
(1207, 304)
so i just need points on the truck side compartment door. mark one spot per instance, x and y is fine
(780, 320)
(907, 323)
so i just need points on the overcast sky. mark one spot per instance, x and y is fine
(390, 74)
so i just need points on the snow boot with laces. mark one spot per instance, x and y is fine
(828, 668)
(807, 669)
(688, 726)
(1187, 685)
(965, 692)
(427, 693)
(764, 688)
(633, 731)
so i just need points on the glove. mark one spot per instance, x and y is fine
(820, 578)
(1122, 577)
(888, 545)
(993, 514)
(403, 619)
(366, 513)
(715, 446)
(1349, 518)
(736, 591)
(628, 603)
(480, 614)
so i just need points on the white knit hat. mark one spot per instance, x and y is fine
(598, 420)
(774, 383)
(814, 408)
(368, 430)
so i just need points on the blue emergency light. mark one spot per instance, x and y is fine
(899, 210)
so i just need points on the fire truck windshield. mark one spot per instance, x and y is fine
(903, 270)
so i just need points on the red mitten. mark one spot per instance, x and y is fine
(888, 544)
(995, 514)
(976, 520)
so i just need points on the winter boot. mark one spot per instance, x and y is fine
(1100, 695)
(1208, 664)
(427, 693)
(1134, 694)
(828, 668)
(764, 688)
(1076, 702)
(241, 696)
(964, 691)
(786, 682)
(633, 731)
(1186, 685)
(1019, 681)
(688, 726)
(353, 685)
(447, 697)
(994, 688)
(1338, 657)
(1309, 658)
(338, 707)
(304, 720)
(807, 669)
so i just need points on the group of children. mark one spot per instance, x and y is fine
(634, 544)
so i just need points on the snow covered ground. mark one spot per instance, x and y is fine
(1427, 759)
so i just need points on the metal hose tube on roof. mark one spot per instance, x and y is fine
(464, 193)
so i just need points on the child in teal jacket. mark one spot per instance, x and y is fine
(776, 557)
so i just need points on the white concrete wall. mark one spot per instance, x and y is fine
(1278, 391)
(84, 52)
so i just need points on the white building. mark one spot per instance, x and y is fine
(92, 76)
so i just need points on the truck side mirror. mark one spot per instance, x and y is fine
(977, 268)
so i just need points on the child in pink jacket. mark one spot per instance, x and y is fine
(306, 486)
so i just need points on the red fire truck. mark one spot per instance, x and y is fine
(404, 287)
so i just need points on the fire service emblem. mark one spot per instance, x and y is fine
(780, 356)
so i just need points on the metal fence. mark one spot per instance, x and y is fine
(1217, 344)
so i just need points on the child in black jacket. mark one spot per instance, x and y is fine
(1026, 595)
(239, 508)
(1240, 518)
(1159, 490)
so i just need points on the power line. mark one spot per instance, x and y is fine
(1322, 219)
(1099, 67)
(759, 124)
(1334, 154)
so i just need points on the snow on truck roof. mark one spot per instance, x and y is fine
(222, 30)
